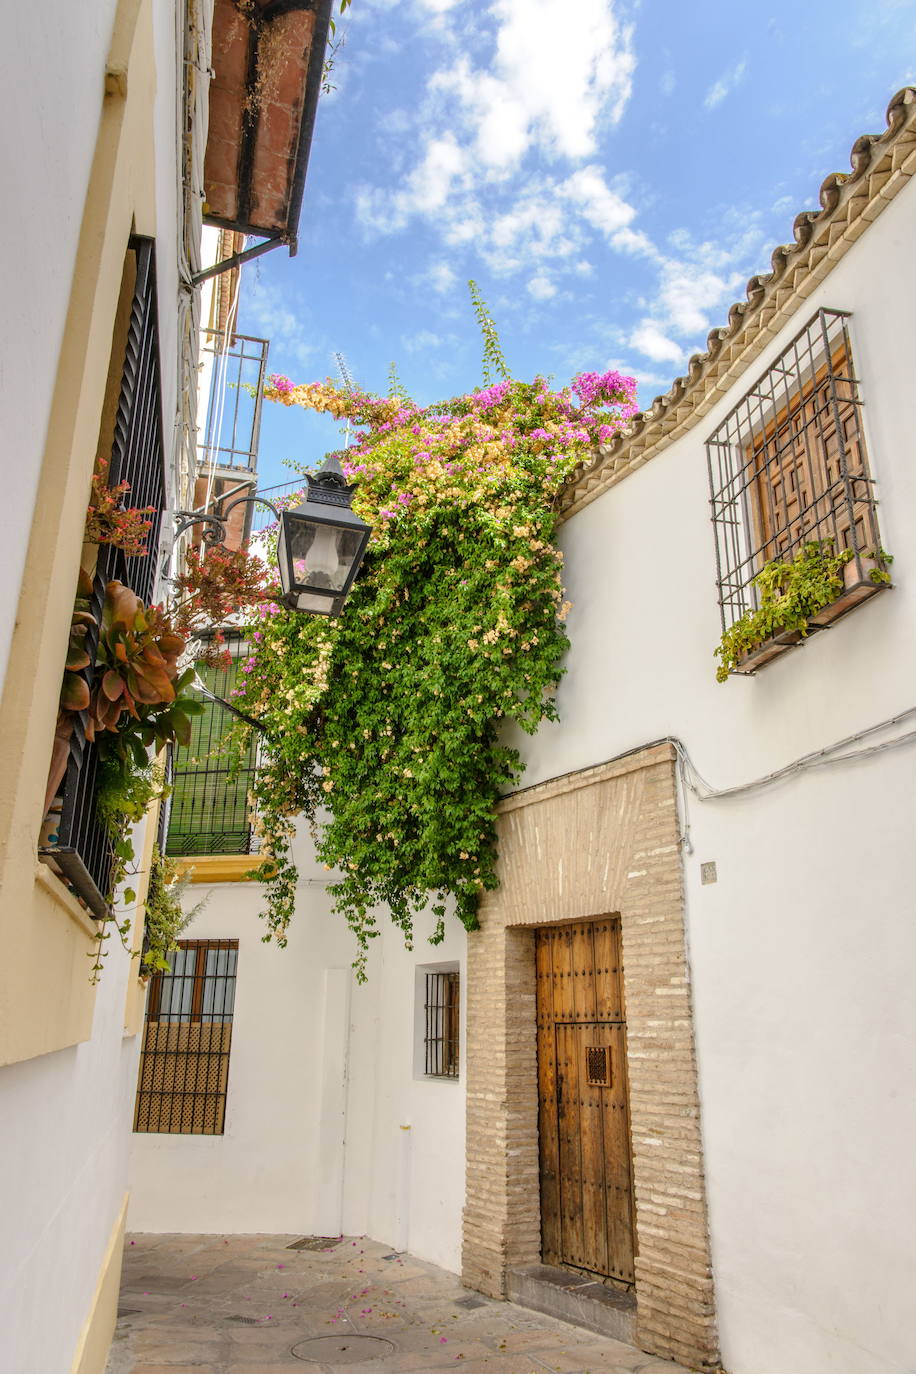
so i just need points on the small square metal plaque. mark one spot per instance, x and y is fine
(708, 873)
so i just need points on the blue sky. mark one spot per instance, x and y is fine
(610, 173)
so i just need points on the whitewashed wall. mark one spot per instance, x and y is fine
(63, 1178)
(804, 952)
(321, 1084)
(55, 70)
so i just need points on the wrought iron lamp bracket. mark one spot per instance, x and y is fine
(215, 522)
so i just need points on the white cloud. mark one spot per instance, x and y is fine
(726, 83)
(268, 313)
(541, 287)
(600, 206)
(424, 193)
(551, 84)
(688, 292)
(423, 342)
(441, 276)
(648, 339)
(634, 242)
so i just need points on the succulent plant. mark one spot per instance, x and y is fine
(74, 692)
(137, 655)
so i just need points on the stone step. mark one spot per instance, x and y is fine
(576, 1299)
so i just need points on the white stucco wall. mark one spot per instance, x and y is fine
(803, 954)
(63, 1178)
(50, 94)
(321, 1083)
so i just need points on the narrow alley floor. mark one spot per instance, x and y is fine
(252, 1305)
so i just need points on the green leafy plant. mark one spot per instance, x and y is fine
(165, 918)
(125, 792)
(791, 593)
(386, 729)
(493, 358)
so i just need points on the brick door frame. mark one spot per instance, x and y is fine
(603, 841)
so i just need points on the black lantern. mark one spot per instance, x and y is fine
(321, 544)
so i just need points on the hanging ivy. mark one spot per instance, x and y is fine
(385, 727)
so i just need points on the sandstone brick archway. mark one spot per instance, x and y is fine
(592, 843)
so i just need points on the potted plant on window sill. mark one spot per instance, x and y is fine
(808, 593)
(864, 575)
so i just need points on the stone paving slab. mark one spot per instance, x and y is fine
(241, 1304)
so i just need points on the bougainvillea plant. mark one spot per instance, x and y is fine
(109, 521)
(386, 727)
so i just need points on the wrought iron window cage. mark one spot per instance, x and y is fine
(184, 1063)
(788, 467)
(442, 1010)
(80, 849)
(208, 807)
(236, 364)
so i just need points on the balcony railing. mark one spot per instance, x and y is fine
(234, 368)
(262, 516)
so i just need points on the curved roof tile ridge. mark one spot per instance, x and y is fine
(881, 164)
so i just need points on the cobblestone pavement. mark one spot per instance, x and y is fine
(251, 1305)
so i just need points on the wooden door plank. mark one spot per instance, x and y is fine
(592, 1151)
(547, 1100)
(618, 1168)
(583, 971)
(572, 1230)
(608, 982)
(562, 973)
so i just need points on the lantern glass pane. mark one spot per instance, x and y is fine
(321, 555)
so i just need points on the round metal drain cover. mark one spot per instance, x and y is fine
(343, 1349)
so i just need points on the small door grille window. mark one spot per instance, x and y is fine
(597, 1066)
(184, 1063)
(442, 1012)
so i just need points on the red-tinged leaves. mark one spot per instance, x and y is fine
(112, 685)
(74, 694)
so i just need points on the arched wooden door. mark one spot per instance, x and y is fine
(586, 1159)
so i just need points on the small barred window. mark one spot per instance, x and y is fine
(442, 1020)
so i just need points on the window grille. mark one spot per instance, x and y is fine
(80, 849)
(184, 1063)
(209, 811)
(788, 467)
(442, 1012)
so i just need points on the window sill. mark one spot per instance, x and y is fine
(221, 868)
(57, 889)
(852, 596)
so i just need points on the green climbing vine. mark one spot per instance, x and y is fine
(385, 728)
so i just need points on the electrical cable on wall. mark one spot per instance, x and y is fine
(841, 751)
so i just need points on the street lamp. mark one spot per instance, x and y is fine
(321, 544)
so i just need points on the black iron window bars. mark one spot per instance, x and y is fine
(788, 467)
(80, 849)
(442, 1021)
(184, 1062)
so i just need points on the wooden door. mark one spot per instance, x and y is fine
(586, 1165)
